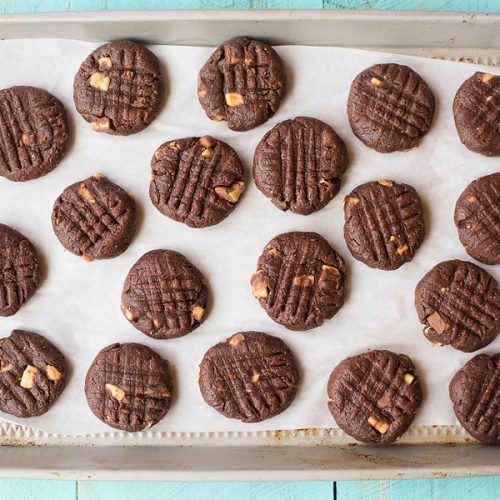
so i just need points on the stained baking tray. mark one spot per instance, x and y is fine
(301, 454)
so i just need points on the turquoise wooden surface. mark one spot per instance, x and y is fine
(435, 489)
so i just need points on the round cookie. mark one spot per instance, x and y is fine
(477, 217)
(32, 374)
(243, 82)
(19, 270)
(94, 218)
(251, 376)
(196, 180)
(390, 107)
(384, 224)
(374, 396)
(119, 88)
(128, 387)
(164, 295)
(475, 394)
(459, 305)
(34, 133)
(299, 280)
(298, 165)
(477, 118)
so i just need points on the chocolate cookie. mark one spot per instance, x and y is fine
(128, 387)
(299, 280)
(196, 180)
(390, 107)
(477, 217)
(298, 165)
(374, 396)
(34, 133)
(459, 305)
(384, 224)
(475, 394)
(242, 82)
(476, 109)
(94, 218)
(32, 374)
(119, 88)
(164, 295)
(19, 270)
(251, 376)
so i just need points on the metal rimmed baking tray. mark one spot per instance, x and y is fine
(303, 454)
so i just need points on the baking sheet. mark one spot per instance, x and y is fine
(77, 305)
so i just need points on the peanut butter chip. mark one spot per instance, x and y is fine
(378, 425)
(5, 368)
(84, 193)
(102, 124)
(408, 378)
(53, 373)
(28, 378)
(197, 313)
(236, 339)
(255, 377)
(376, 82)
(234, 99)
(260, 288)
(486, 77)
(402, 249)
(386, 182)
(330, 274)
(99, 81)
(231, 193)
(105, 63)
(304, 280)
(115, 392)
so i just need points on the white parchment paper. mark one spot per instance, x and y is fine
(77, 305)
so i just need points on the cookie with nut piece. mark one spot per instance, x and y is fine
(390, 107)
(94, 218)
(476, 112)
(119, 88)
(243, 82)
(19, 270)
(477, 217)
(196, 180)
(32, 374)
(34, 133)
(298, 165)
(475, 394)
(374, 396)
(164, 295)
(459, 305)
(384, 224)
(251, 376)
(129, 387)
(299, 280)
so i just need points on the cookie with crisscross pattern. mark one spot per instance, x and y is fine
(459, 305)
(300, 280)
(374, 396)
(34, 133)
(164, 295)
(243, 82)
(251, 376)
(477, 217)
(196, 180)
(390, 107)
(94, 218)
(384, 223)
(119, 88)
(476, 109)
(19, 270)
(128, 387)
(32, 374)
(475, 394)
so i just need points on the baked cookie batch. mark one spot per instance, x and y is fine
(299, 280)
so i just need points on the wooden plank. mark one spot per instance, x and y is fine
(477, 488)
(106, 490)
(16, 489)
